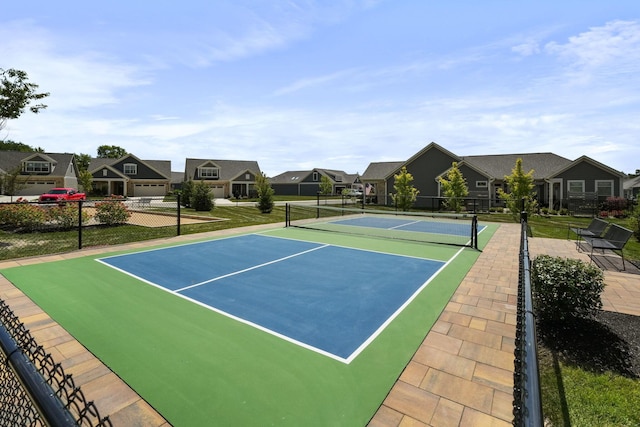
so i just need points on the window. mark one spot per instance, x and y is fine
(37, 167)
(604, 188)
(247, 176)
(315, 176)
(105, 172)
(130, 169)
(575, 186)
(481, 184)
(208, 172)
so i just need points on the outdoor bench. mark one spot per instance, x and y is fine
(144, 202)
(613, 239)
(595, 229)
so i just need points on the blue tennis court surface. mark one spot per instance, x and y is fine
(331, 299)
(462, 228)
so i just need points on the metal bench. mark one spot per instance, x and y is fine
(144, 202)
(613, 239)
(595, 229)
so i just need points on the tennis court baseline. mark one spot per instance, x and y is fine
(296, 290)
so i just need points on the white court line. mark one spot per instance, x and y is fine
(249, 269)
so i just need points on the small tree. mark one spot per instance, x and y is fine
(186, 193)
(326, 187)
(86, 181)
(202, 199)
(406, 194)
(265, 193)
(11, 182)
(454, 188)
(521, 186)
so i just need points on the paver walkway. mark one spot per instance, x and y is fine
(462, 374)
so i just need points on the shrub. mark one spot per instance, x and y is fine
(265, 194)
(565, 288)
(66, 216)
(112, 211)
(201, 198)
(634, 222)
(23, 215)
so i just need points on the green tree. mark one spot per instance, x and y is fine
(454, 188)
(83, 161)
(265, 193)
(12, 181)
(9, 145)
(111, 152)
(186, 193)
(86, 180)
(16, 93)
(326, 187)
(521, 186)
(202, 198)
(406, 194)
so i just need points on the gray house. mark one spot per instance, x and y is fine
(226, 178)
(307, 183)
(558, 180)
(39, 172)
(130, 176)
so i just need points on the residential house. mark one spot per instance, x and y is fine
(226, 178)
(130, 176)
(632, 187)
(558, 180)
(39, 172)
(307, 183)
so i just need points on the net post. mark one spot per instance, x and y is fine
(287, 215)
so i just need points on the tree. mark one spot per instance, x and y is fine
(86, 180)
(186, 193)
(326, 187)
(406, 194)
(454, 188)
(16, 93)
(11, 181)
(202, 199)
(521, 186)
(265, 193)
(111, 152)
(83, 161)
(9, 145)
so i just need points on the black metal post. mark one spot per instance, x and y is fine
(80, 224)
(178, 213)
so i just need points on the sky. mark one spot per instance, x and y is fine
(304, 84)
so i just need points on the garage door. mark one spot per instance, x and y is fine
(141, 190)
(36, 188)
(218, 191)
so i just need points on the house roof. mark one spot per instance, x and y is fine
(380, 170)
(293, 177)
(12, 159)
(501, 165)
(229, 169)
(163, 167)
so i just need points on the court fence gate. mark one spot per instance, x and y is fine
(34, 390)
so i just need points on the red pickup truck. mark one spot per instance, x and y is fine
(57, 195)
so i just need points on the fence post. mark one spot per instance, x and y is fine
(178, 212)
(79, 224)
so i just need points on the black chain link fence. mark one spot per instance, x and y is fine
(34, 390)
(32, 229)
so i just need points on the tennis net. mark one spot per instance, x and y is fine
(444, 228)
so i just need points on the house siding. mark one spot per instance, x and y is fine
(590, 174)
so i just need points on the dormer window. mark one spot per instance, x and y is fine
(208, 172)
(37, 167)
(130, 169)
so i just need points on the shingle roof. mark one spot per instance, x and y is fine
(500, 165)
(229, 169)
(380, 170)
(12, 159)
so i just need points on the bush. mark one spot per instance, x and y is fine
(565, 288)
(265, 194)
(66, 216)
(23, 215)
(201, 198)
(112, 211)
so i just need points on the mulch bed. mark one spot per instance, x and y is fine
(608, 343)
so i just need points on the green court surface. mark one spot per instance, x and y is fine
(197, 367)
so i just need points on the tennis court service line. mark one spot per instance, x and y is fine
(406, 224)
(195, 285)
